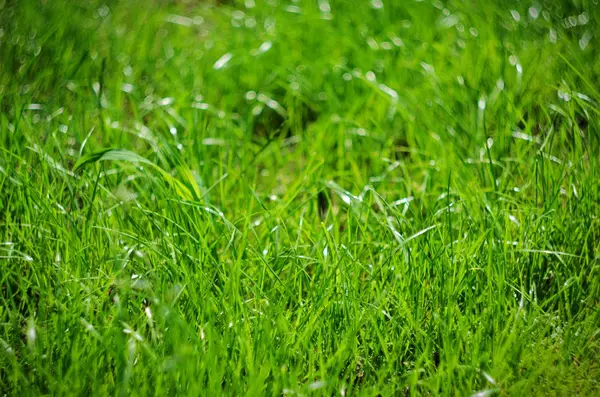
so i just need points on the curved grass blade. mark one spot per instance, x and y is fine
(129, 156)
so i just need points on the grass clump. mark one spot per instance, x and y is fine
(299, 198)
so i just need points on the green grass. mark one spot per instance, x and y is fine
(303, 198)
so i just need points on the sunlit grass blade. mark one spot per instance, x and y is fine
(110, 154)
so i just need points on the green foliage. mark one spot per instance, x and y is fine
(310, 197)
(126, 155)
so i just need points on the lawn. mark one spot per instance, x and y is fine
(299, 198)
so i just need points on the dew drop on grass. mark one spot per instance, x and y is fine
(31, 332)
(397, 42)
(585, 40)
(481, 103)
(372, 43)
(126, 87)
(201, 105)
(257, 110)
(584, 97)
(519, 68)
(166, 101)
(180, 20)
(428, 68)
(324, 6)
(377, 4)
(293, 9)
(448, 22)
(317, 385)
(221, 62)
(134, 334)
(525, 137)
(389, 91)
(103, 11)
(264, 47)
(515, 14)
(534, 13)
(386, 45)
(565, 96)
(489, 378)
